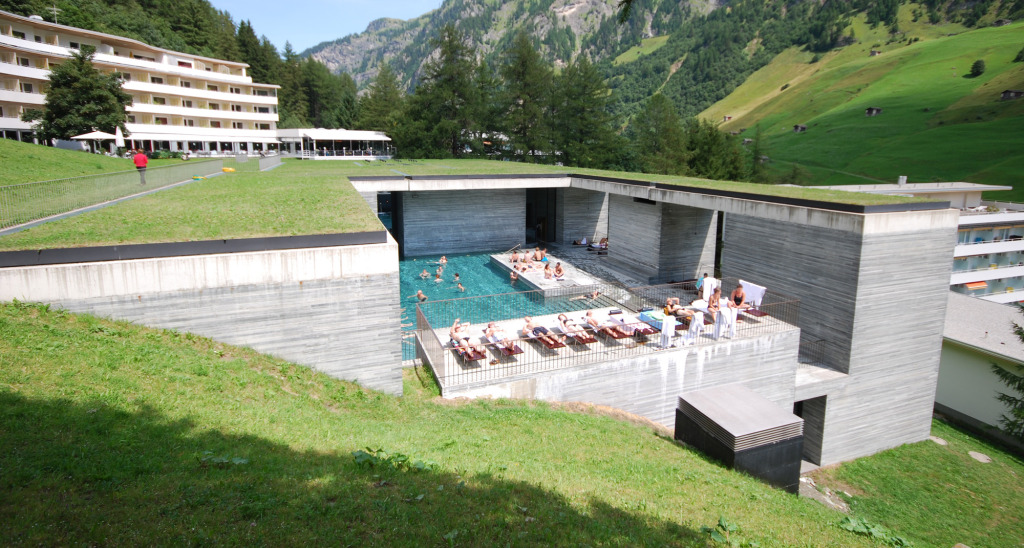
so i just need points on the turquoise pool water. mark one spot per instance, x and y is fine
(478, 278)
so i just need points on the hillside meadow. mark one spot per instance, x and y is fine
(120, 434)
(937, 122)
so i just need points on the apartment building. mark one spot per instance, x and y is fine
(180, 101)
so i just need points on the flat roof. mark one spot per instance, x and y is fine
(984, 325)
(112, 38)
(321, 134)
(913, 188)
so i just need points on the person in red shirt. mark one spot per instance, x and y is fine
(141, 160)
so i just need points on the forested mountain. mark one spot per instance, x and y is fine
(560, 31)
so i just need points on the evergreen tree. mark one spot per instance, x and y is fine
(80, 99)
(525, 101)
(978, 68)
(292, 106)
(487, 139)
(331, 98)
(583, 130)
(712, 154)
(1012, 422)
(440, 116)
(757, 170)
(380, 106)
(658, 138)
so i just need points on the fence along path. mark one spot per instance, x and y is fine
(27, 202)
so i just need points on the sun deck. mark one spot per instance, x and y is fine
(535, 279)
(454, 371)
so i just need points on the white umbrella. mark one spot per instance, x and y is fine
(118, 137)
(94, 136)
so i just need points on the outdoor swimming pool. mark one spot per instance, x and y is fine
(479, 278)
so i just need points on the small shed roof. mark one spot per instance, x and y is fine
(984, 325)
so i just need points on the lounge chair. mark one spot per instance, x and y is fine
(505, 351)
(580, 337)
(550, 346)
(632, 324)
(467, 354)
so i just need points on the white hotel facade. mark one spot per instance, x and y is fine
(180, 101)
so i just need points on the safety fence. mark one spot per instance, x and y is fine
(28, 202)
(628, 325)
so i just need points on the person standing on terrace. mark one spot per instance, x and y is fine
(141, 160)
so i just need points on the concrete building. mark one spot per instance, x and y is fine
(180, 101)
(978, 335)
(872, 282)
(988, 260)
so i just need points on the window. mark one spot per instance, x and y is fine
(1, 112)
(185, 64)
(261, 92)
(214, 123)
(26, 88)
(131, 118)
(39, 39)
(186, 84)
(263, 126)
(210, 87)
(159, 101)
(186, 103)
(18, 34)
(74, 45)
(126, 77)
(23, 61)
(156, 80)
(214, 106)
(263, 110)
(236, 90)
(189, 123)
(236, 108)
(237, 125)
(160, 121)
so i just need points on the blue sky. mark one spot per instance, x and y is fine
(306, 23)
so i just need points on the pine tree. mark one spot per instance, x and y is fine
(657, 135)
(380, 107)
(80, 99)
(440, 121)
(1013, 421)
(525, 101)
(292, 106)
(582, 129)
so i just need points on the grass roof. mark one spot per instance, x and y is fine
(304, 197)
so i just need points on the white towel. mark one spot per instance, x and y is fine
(708, 288)
(668, 329)
(696, 328)
(755, 293)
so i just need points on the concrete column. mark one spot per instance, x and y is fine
(581, 213)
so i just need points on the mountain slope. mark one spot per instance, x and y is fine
(561, 29)
(937, 123)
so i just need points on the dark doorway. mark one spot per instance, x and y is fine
(541, 214)
(812, 411)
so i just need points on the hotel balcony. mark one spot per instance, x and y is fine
(197, 93)
(14, 96)
(193, 112)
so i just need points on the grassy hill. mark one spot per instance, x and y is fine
(26, 163)
(118, 434)
(937, 124)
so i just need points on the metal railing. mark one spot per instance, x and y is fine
(626, 339)
(28, 202)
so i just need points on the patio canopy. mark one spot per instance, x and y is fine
(94, 135)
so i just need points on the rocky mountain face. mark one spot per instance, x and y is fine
(562, 29)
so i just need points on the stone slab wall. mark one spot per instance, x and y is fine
(333, 309)
(634, 236)
(650, 385)
(582, 213)
(464, 221)
(687, 242)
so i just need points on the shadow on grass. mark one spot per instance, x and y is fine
(77, 473)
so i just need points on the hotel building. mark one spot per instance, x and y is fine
(180, 101)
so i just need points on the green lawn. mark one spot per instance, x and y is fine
(936, 124)
(287, 201)
(118, 434)
(27, 163)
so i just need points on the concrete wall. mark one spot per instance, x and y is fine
(687, 242)
(440, 222)
(582, 213)
(334, 309)
(649, 385)
(968, 385)
(877, 296)
(634, 236)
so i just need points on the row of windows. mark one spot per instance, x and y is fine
(164, 121)
(187, 103)
(127, 77)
